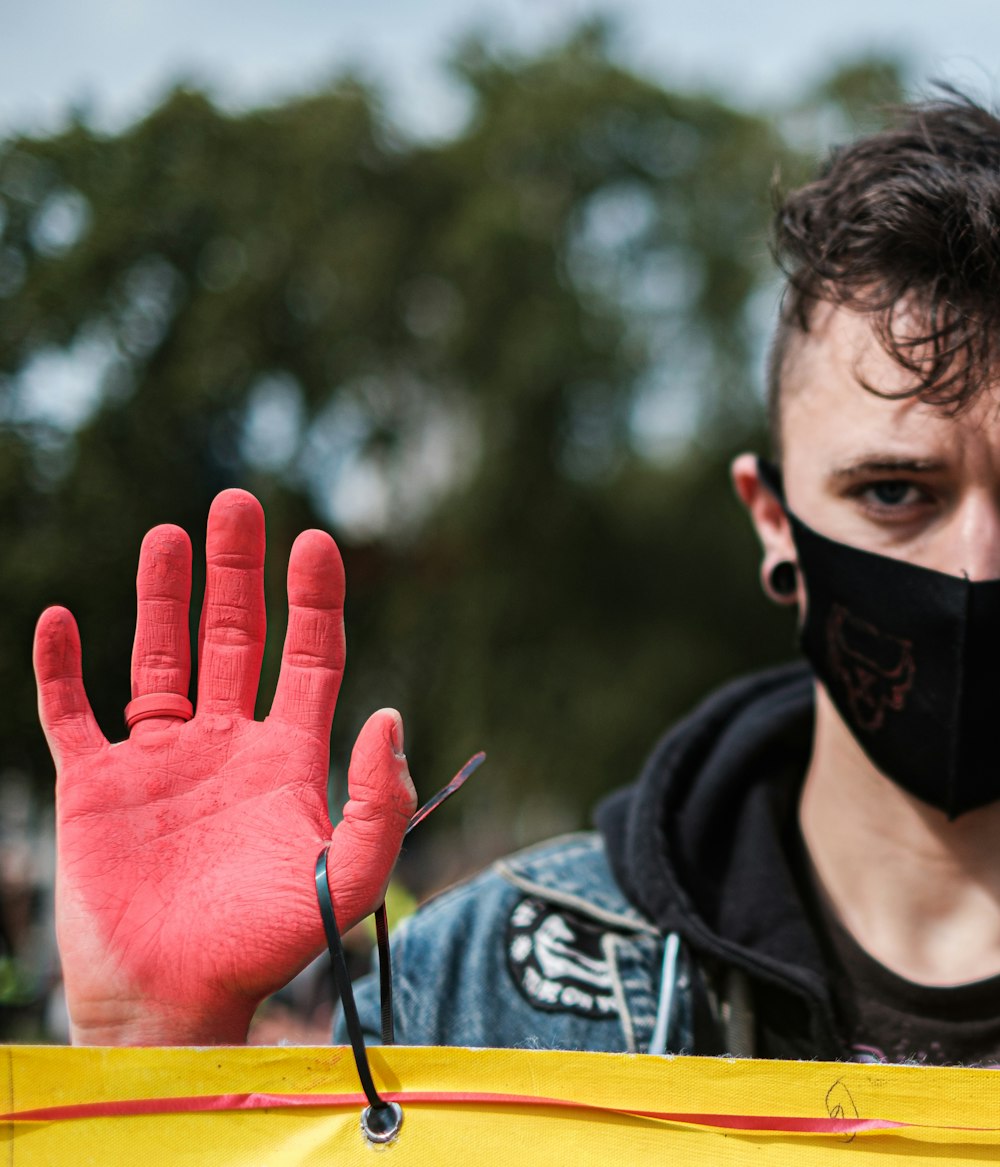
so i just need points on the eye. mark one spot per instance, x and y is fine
(895, 500)
(895, 492)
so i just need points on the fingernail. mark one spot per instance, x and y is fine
(396, 736)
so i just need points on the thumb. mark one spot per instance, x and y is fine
(367, 841)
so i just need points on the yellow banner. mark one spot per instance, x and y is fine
(297, 1107)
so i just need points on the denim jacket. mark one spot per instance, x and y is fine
(542, 950)
(679, 926)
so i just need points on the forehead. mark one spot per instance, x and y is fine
(828, 413)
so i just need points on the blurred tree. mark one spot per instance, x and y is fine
(506, 369)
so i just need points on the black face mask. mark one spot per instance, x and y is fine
(909, 657)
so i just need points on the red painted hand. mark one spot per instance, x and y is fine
(185, 888)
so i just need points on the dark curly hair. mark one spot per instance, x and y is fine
(904, 221)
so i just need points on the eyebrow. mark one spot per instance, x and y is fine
(886, 464)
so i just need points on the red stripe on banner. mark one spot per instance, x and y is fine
(127, 1107)
(130, 1107)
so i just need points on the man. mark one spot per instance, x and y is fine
(807, 866)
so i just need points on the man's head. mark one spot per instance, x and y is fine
(903, 227)
(887, 352)
(886, 415)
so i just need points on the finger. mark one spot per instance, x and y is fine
(233, 621)
(65, 713)
(161, 652)
(382, 799)
(312, 661)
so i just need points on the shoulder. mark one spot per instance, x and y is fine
(573, 872)
(540, 948)
(570, 872)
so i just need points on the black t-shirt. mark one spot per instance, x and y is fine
(884, 1017)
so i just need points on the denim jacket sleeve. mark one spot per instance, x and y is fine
(541, 950)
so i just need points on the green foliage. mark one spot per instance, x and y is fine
(507, 369)
(862, 91)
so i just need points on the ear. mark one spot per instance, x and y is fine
(770, 522)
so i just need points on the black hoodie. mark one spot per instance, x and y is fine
(706, 844)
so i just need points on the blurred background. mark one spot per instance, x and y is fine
(484, 290)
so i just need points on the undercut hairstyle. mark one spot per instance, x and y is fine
(904, 226)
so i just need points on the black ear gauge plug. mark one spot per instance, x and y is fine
(782, 580)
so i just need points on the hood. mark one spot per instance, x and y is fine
(703, 843)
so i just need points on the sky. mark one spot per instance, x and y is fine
(115, 58)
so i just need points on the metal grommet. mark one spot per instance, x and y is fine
(380, 1124)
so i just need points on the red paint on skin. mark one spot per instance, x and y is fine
(161, 655)
(184, 889)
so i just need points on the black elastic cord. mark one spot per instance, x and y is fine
(771, 476)
(339, 961)
(384, 974)
(343, 979)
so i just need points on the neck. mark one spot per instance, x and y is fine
(919, 893)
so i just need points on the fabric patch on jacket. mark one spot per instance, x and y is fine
(557, 962)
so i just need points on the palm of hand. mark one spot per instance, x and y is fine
(195, 855)
(185, 885)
